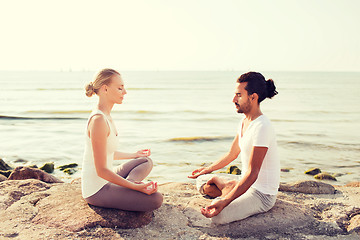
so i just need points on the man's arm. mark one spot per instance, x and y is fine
(222, 162)
(256, 160)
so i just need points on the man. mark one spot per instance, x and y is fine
(255, 141)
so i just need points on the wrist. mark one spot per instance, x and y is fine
(208, 169)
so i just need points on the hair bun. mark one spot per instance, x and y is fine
(89, 89)
(271, 89)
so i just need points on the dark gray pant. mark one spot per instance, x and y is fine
(115, 196)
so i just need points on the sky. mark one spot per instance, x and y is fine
(261, 35)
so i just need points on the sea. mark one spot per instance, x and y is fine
(186, 118)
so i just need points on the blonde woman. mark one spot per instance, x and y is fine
(101, 186)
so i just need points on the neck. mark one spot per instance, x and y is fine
(254, 113)
(105, 107)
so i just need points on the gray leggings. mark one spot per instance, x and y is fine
(115, 196)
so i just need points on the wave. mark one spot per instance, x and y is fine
(322, 146)
(199, 139)
(59, 112)
(38, 118)
(58, 89)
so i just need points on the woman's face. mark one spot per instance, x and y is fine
(116, 89)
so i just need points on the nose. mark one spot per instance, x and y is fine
(124, 92)
(234, 99)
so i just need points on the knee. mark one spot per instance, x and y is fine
(157, 200)
(219, 219)
(148, 161)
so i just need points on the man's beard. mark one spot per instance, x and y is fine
(244, 108)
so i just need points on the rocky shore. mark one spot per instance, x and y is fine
(35, 209)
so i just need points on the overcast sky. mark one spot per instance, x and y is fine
(277, 35)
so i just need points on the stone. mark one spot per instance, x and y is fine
(325, 176)
(12, 191)
(31, 209)
(285, 170)
(48, 167)
(21, 173)
(233, 170)
(69, 171)
(310, 187)
(4, 166)
(354, 224)
(20, 160)
(353, 184)
(71, 165)
(2, 178)
(33, 166)
(313, 171)
(74, 214)
(5, 173)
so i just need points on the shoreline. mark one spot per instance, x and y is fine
(71, 171)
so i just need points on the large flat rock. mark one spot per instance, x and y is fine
(31, 209)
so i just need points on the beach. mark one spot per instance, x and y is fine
(187, 119)
(33, 209)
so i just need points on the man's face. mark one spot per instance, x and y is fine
(241, 98)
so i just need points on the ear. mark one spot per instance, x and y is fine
(104, 87)
(254, 97)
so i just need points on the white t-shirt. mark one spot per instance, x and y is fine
(260, 133)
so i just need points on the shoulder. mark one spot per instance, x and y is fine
(263, 124)
(97, 120)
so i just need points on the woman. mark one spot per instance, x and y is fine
(121, 188)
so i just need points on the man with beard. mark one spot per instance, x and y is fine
(256, 190)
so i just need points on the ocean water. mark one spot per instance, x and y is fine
(186, 118)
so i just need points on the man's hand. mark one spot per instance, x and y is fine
(213, 209)
(198, 172)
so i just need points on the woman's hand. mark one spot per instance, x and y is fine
(213, 209)
(147, 188)
(143, 153)
(198, 172)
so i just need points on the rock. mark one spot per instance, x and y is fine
(313, 171)
(2, 178)
(353, 184)
(69, 171)
(310, 187)
(33, 166)
(285, 170)
(5, 173)
(354, 224)
(325, 176)
(48, 167)
(21, 173)
(71, 165)
(74, 214)
(233, 170)
(31, 209)
(20, 160)
(4, 166)
(12, 191)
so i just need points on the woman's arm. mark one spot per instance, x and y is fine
(98, 132)
(140, 153)
(222, 162)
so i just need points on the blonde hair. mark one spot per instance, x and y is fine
(102, 78)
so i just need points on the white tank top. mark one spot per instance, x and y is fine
(91, 183)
